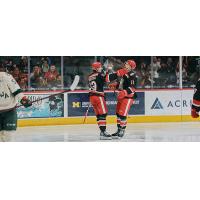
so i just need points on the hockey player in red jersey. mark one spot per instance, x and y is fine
(97, 80)
(196, 101)
(126, 95)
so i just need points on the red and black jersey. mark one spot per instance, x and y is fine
(196, 97)
(129, 82)
(97, 80)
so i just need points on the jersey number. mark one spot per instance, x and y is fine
(132, 82)
(93, 85)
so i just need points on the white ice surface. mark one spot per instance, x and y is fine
(135, 132)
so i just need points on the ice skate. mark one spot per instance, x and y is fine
(105, 136)
(121, 133)
(118, 134)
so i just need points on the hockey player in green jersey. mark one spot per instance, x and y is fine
(10, 95)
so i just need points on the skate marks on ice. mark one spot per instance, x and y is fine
(136, 132)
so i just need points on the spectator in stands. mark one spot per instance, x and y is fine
(51, 76)
(155, 67)
(163, 71)
(45, 66)
(20, 77)
(144, 76)
(59, 82)
(35, 76)
(185, 77)
(41, 83)
(171, 71)
(10, 63)
(23, 84)
(146, 81)
(24, 64)
(16, 74)
(46, 59)
(193, 68)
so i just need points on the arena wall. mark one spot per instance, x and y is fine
(163, 105)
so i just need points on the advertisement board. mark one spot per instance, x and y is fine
(75, 104)
(50, 107)
(166, 102)
(78, 104)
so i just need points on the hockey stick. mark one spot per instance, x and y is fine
(86, 113)
(72, 87)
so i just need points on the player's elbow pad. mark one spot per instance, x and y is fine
(122, 72)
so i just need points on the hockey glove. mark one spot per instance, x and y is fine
(26, 102)
(122, 94)
(122, 72)
(194, 113)
(113, 86)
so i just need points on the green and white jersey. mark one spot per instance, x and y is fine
(10, 91)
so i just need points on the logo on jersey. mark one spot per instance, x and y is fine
(157, 104)
(4, 95)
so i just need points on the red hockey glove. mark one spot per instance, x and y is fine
(26, 102)
(122, 94)
(113, 86)
(194, 113)
(122, 72)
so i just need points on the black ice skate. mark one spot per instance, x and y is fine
(105, 136)
(118, 134)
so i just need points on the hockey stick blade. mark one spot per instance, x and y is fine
(75, 82)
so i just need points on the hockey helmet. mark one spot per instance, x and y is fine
(131, 63)
(96, 66)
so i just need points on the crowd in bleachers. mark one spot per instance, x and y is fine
(152, 72)
(45, 73)
(163, 71)
(158, 73)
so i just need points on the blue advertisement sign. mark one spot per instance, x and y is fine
(50, 107)
(78, 104)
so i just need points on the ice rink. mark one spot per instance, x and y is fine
(135, 132)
